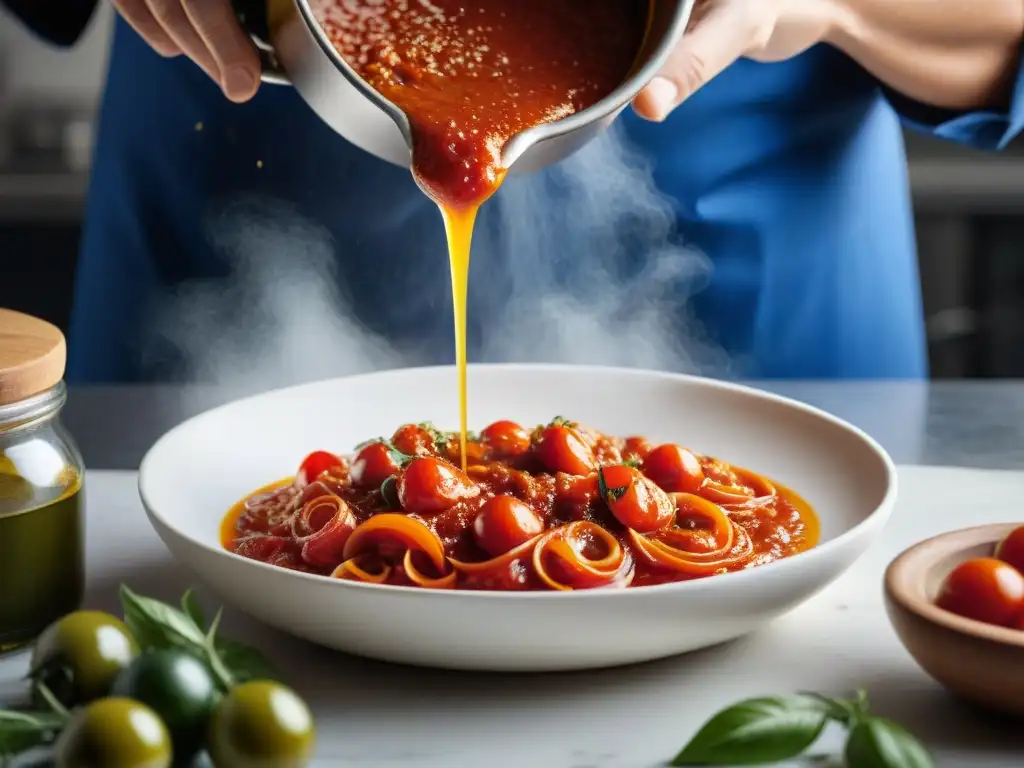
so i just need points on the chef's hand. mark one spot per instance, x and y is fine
(207, 31)
(722, 31)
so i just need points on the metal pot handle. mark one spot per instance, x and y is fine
(271, 70)
(252, 15)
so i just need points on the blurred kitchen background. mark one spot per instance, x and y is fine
(969, 205)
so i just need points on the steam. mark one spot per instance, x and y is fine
(578, 264)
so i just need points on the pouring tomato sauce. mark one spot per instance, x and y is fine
(471, 75)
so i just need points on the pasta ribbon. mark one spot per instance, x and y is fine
(696, 551)
(753, 490)
(323, 527)
(355, 570)
(390, 533)
(581, 555)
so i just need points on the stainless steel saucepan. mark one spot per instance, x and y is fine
(295, 51)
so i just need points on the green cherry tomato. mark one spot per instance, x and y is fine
(79, 656)
(261, 724)
(114, 733)
(179, 688)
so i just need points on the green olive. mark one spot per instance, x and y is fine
(79, 655)
(261, 724)
(179, 688)
(114, 733)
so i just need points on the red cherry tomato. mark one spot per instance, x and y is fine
(1011, 549)
(374, 464)
(636, 448)
(504, 523)
(315, 465)
(984, 589)
(414, 440)
(506, 438)
(561, 449)
(430, 485)
(635, 500)
(674, 469)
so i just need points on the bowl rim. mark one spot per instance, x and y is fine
(877, 517)
(904, 586)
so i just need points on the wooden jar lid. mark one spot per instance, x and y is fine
(32, 356)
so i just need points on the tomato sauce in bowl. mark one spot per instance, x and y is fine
(559, 508)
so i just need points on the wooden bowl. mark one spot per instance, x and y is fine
(982, 663)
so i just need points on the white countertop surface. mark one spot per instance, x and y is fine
(374, 715)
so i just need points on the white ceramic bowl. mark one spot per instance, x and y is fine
(194, 473)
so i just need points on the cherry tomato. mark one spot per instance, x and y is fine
(504, 523)
(429, 485)
(674, 469)
(506, 438)
(636, 447)
(635, 500)
(984, 589)
(315, 465)
(561, 449)
(1011, 549)
(414, 440)
(1019, 624)
(374, 464)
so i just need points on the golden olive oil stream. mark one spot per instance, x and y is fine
(458, 226)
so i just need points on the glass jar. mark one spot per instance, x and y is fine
(42, 572)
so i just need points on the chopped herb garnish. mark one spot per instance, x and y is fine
(607, 493)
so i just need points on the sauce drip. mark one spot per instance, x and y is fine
(469, 77)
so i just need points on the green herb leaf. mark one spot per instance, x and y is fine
(838, 710)
(20, 731)
(389, 493)
(756, 732)
(633, 461)
(875, 742)
(193, 610)
(157, 625)
(607, 493)
(243, 663)
(371, 441)
(436, 434)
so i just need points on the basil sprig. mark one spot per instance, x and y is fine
(773, 729)
(158, 625)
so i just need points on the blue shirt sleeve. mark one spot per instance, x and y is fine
(981, 129)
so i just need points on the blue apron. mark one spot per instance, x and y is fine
(763, 230)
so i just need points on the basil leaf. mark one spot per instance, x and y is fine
(879, 743)
(158, 625)
(757, 731)
(244, 663)
(20, 731)
(193, 610)
(845, 713)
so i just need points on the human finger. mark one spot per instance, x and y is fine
(216, 23)
(141, 19)
(717, 40)
(179, 28)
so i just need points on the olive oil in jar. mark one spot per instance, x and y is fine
(41, 475)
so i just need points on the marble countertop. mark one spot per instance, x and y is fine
(970, 424)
